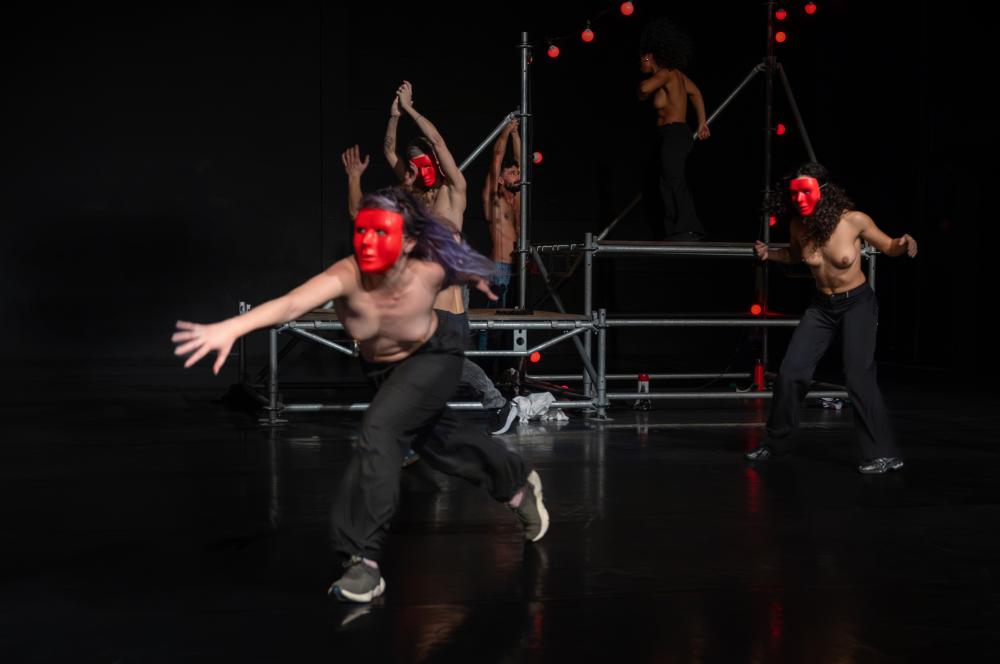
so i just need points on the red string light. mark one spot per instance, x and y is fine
(781, 14)
(780, 37)
(553, 51)
(535, 357)
(772, 220)
(587, 35)
(627, 8)
(781, 129)
(756, 309)
(811, 8)
(536, 157)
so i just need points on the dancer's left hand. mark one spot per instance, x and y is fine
(484, 286)
(703, 131)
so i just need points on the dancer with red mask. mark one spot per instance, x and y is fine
(403, 257)
(433, 175)
(826, 232)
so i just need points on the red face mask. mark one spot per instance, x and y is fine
(805, 193)
(428, 171)
(378, 239)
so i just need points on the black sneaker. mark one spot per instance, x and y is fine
(762, 453)
(503, 418)
(531, 511)
(360, 583)
(881, 465)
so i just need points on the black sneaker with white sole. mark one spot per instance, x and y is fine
(531, 510)
(360, 583)
(503, 418)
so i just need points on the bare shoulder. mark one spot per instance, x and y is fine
(428, 271)
(347, 270)
(857, 219)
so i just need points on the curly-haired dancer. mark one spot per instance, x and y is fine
(403, 257)
(663, 52)
(826, 233)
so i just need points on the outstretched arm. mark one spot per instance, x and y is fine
(389, 144)
(874, 236)
(448, 164)
(354, 167)
(199, 340)
(694, 95)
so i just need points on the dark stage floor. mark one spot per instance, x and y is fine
(152, 525)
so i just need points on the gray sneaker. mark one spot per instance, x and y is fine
(881, 465)
(360, 583)
(531, 511)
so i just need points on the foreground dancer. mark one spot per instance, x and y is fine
(826, 235)
(663, 52)
(403, 257)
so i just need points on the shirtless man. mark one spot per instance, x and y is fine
(502, 206)
(433, 175)
(826, 234)
(663, 52)
(385, 293)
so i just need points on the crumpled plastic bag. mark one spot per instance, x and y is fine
(537, 407)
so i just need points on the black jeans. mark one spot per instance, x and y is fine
(409, 411)
(855, 312)
(675, 146)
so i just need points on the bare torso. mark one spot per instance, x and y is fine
(389, 320)
(505, 212)
(836, 266)
(445, 204)
(671, 100)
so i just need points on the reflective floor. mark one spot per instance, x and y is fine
(149, 524)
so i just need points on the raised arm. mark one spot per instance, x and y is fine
(447, 161)
(496, 160)
(694, 95)
(389, 144)
(874, 236)
(199, 340)
(354, 167)
(650, 85)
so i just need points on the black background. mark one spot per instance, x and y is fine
(165, 163)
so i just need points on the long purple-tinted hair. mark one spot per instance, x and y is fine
(436, 238)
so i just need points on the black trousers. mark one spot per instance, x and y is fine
(679, 214)
(855, 313)
(409, 410)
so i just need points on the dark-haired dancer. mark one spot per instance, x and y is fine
(432, 174)
(403, 257)
(663, 52)
(826, 233)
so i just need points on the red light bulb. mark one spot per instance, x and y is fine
(811, 8)
(781, 14)
(553, 51)
(627, 8)
(587, 35)
(535, 357)
(756, 309)
(536, 157)
(781, 129)
(780, 37)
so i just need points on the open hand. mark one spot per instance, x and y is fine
(354, 166)
(484, 286)
(199, 340)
